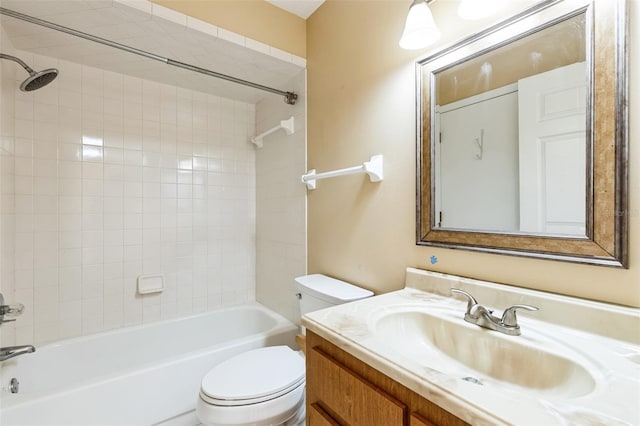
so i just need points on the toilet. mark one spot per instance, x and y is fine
(266, 386)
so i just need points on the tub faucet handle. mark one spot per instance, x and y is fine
(12, 310)
(9, 310)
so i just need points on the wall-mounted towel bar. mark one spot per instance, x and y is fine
(287, 125)
(373, 168)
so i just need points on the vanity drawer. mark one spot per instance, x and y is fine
(347, 397)
(318, 417)
(418, 420)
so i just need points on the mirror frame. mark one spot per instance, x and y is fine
(606, 242)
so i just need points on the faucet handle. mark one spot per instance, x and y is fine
(509, 318)
(9, 310)
(471, 301)
(12, 310)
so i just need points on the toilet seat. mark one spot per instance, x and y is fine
(253, 377)
(261, 387)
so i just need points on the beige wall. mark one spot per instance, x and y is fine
(255, 19)
(361, 102)
(281, 243)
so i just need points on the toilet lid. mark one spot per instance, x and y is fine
(254, 375)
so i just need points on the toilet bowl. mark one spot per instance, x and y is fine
(266, 386)
(259, 387)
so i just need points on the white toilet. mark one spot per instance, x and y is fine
(266, 386)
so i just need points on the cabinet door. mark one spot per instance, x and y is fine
(347, 397)
(318, 417)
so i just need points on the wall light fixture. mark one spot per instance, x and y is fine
(420, 29)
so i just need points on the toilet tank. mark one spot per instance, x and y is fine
(319, 291)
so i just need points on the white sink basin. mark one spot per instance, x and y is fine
(443, 340)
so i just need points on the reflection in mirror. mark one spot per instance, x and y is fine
(518, 163)
(522, 143)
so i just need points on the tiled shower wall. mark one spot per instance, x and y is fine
(114, 177)
(7, 198)
(281, 233)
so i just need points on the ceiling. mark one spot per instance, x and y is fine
(302, 8)
(173, 36)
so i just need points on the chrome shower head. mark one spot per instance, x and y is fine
(36, 79)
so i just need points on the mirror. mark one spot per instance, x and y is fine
(522, 147)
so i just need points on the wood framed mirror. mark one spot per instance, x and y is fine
(522, 137)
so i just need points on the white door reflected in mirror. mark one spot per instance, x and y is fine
(553, 152)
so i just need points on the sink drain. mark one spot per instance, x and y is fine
(472, 380)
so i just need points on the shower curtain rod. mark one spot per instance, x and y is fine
(289, 97)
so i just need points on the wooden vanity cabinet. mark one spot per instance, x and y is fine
(344, 391)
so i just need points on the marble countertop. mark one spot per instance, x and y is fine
(613, 363)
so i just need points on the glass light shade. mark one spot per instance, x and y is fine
(420, 29)
(478, 9)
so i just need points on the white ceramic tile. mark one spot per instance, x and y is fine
(201, 26)
(121, 192)
(69, 152)
(297, 60)
(257, 46)
(132, 174)
(92, 187)
(151, 159)
(92, 153)
(69, 188)
(113, 273)
(132, 157)
(114, 224)
(22, 147)
(92, 238)
(169, 14)
(231, 36)
(45, 168)
(113, 189)
(92, 171)
(142, 5)
(114, 138)
(70, 239)
(113, 172)
(45, 204)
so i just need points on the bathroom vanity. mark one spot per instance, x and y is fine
(340, 386)
(409, 358)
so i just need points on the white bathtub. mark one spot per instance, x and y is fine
(133, 376)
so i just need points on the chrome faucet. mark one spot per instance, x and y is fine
(11, 351)
(479, 315)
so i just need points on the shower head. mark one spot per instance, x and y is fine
(36, 79)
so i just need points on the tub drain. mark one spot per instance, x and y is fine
(472, 380)
(14, 385)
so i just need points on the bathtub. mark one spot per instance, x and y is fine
(139, 375)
